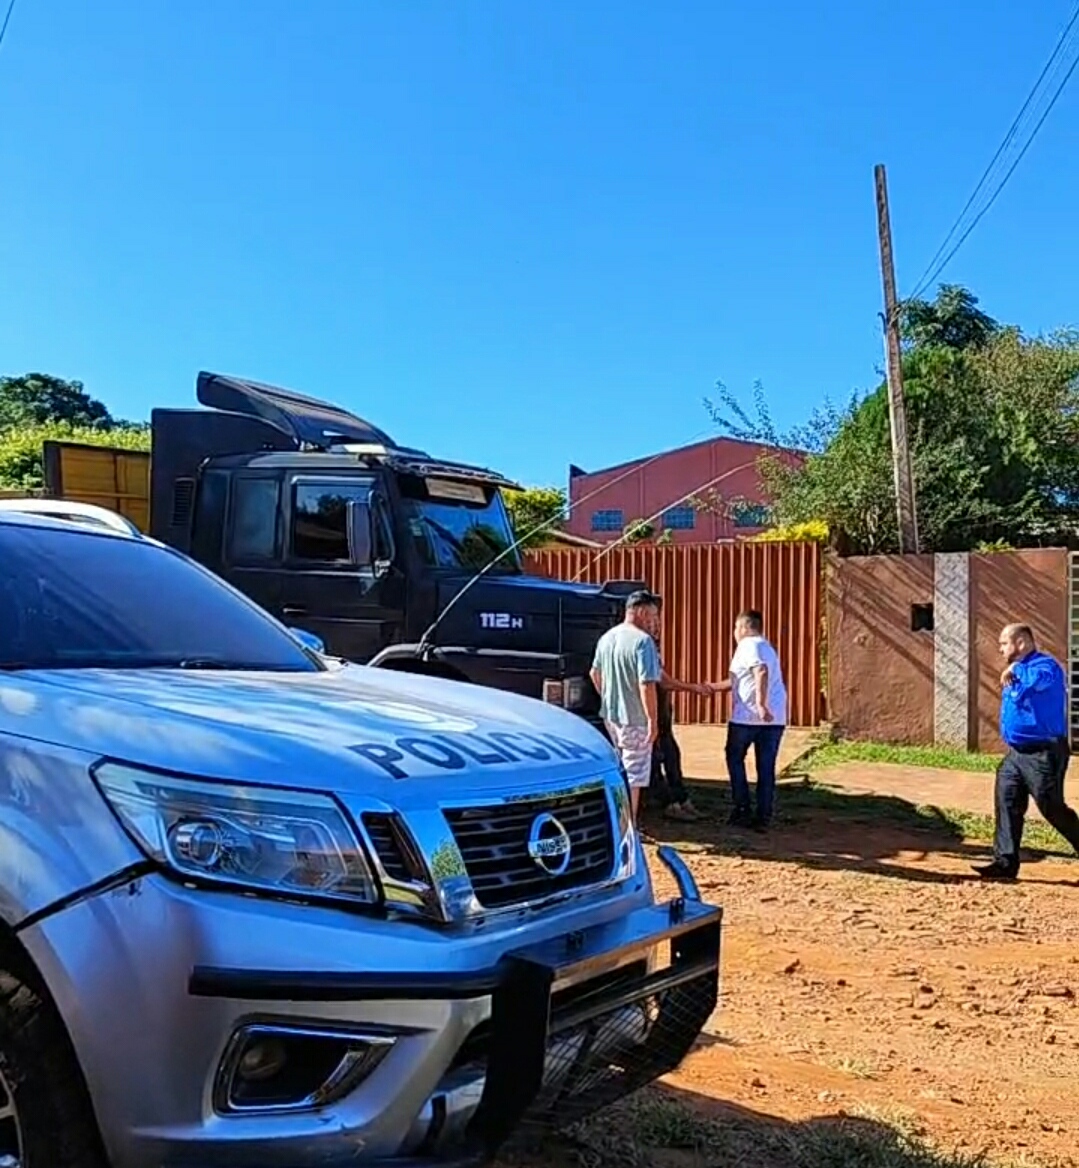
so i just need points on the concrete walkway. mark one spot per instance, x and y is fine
(922, 786)
(702, 750)
(702, 759)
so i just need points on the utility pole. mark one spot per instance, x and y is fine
(897, 411)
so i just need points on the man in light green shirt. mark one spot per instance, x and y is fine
(626, 673)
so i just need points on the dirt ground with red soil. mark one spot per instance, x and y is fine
(867, 978)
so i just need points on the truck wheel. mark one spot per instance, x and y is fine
(46, 1119)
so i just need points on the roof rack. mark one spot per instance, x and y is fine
(87, 514)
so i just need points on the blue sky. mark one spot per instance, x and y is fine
(522, 233)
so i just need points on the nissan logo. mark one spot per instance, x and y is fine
(549, 844)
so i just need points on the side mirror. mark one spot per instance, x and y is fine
(309, 640)
(360, 533)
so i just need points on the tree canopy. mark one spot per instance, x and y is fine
(37, 398)
(993, 419)
(37, 407)
(536, 507)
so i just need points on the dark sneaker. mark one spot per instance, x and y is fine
(760, 825)
(739, 818)
(996, 871)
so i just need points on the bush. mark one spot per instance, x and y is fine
(814, 531)
(22, 465)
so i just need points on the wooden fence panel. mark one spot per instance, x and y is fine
(704, 586)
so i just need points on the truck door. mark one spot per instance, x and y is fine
(252, 554)
(356, 608)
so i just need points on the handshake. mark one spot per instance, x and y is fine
(709, 689)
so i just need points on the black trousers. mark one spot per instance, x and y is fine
(1036, 773)
(667, 781)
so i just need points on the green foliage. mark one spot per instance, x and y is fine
(638, 531)
(38, 407)
(953, 321)
(993, 418)
(21, 463)
(536, 507)
(38, 398)
(813, 531)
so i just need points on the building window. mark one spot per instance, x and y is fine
(680, 519)
(607, 521)
(750, 515)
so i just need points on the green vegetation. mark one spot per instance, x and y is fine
(542, 507)
(942, 757)
(993, 417)
(38, 407)
(812, 798)
(812, 531)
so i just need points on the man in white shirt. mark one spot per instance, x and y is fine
(758, 719)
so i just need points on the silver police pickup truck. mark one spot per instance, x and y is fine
(266, 910)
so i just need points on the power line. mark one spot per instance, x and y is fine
(7, 19)
(687, 497)
(1011, 170)
(934, 269)
(426, 641)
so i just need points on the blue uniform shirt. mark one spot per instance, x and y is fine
(1034, 708)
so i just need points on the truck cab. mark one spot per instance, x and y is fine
(393, 558)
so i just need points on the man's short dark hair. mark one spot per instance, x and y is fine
(642, 598)
(752, 620)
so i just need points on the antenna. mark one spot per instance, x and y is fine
(666, 507)
(427, 640)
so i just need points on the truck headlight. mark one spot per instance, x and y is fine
(293, 843)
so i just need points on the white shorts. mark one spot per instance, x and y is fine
(635, 751)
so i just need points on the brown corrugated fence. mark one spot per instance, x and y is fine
(703, 588)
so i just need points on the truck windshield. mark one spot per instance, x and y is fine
(75, 599)
(458, 525)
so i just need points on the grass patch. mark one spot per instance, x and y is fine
(657, 1130)
(1038, 836)
(940, 757)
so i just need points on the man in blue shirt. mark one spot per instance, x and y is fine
(1034, 726)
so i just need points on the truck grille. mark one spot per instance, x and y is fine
(494, 846)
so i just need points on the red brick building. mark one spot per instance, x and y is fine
(618, 495)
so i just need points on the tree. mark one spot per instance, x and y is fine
(993, 417)
(536, 507)
(953, 321)
(38, 398)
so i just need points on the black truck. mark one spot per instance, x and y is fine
(391, 557)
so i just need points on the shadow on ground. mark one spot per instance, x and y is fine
(665, 1127)
(829, 829)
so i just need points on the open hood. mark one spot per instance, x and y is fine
(306, 420)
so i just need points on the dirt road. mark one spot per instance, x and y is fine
(870, 984)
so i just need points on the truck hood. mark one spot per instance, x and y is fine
(528, 614)
(351, 729)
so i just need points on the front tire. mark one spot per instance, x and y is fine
(46, 1118)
